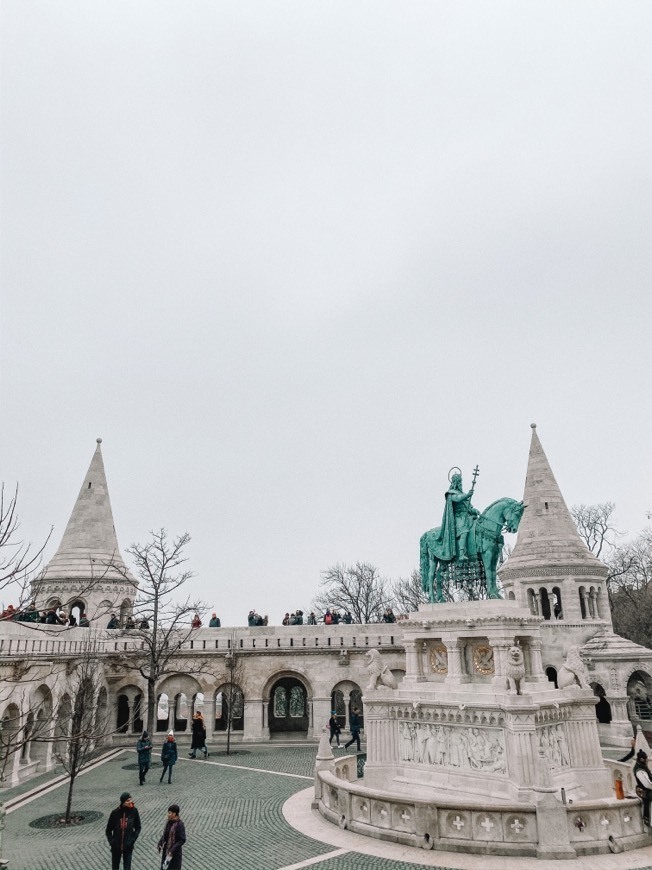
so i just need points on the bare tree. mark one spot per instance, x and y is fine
(81, 723)
(357, 588)
(159, 566)
(408, 593)
(18, 559)
(232, 697)
(595, 525)
(630, 588)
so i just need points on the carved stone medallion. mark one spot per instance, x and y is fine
(439, 659)
(483, 660)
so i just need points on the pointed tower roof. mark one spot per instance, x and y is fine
(547, 537)
(89, 547)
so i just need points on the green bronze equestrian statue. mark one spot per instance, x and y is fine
(468, 544)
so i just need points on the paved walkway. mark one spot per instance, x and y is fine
(249, 811)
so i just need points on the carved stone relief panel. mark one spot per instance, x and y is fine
(553, 744)
(452, 746)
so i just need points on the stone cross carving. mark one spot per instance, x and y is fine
(517, 826)
(457, 821)
(487, 824)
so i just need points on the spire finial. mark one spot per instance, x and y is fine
(99, 440)
(532, 426)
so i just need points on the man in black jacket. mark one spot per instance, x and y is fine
(122, 831)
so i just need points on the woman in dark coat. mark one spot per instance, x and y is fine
(169, 756)
(198, 736)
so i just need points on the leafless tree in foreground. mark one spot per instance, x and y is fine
(18, 559)
(81, 722)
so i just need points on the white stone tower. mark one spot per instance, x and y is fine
(551, 571)
(87, 573)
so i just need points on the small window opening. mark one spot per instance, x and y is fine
(546, 504)
(89, 484)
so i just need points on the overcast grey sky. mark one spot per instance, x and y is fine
(294, 260)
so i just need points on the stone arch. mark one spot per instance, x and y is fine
(551, 673)
(227, 694)
(603, 707)
(346, 695)
(557, 606)
(511, 596)
(41, 705)
(288, 695)
(544, 598)
(103, 610)
(162, 712)
(125, 611)
(77, 608)
(639, 691)
(11, 726)
(62, 724)
(178, 688)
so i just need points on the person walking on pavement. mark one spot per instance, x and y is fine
(334, 728)
(169, 756)
(355, 729)
(171, 843)
(122, 830)
(198, 736)
(144, 750)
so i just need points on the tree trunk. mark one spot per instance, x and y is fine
(69, 801)
(151, 708)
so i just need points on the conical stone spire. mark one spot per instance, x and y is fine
(547, 537)
(89, 551)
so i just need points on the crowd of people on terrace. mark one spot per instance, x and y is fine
(59, 616)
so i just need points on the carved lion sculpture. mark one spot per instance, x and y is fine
(515, 671)
(573, 672)
(378, 672)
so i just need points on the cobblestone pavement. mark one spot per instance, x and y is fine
(232, 808)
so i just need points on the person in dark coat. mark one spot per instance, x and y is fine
(169, 756)
(355, 729)
(122, 830)
(334, 728)
(198, 736)
(144, 750)
(171, 843)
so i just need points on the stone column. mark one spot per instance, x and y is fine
(592, 605)
(537, 602)
(584, 599)
(413, 662)
(455, 668)
(536, 663)
(255, 720)
(321, 709)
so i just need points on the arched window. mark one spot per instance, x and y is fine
(297, 702)
(338, 705)
(511, 596)
(532, 602)
(163, 712)
(233, 694)
(557, 605)
(280, 703)
(545, 603)
(180, 712)
(551, 673)
(603, 707)
(355, 700)
(138, 714)
(123, 714)
(198, 703)
(125, 611)
(76, 609)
